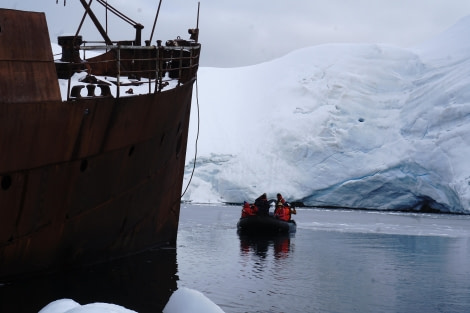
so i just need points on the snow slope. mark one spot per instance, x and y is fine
(350, 125)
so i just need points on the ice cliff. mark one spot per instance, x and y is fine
(348, 125)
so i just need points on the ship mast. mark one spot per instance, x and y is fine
(155, 21)
(88, 11)
(95, 21)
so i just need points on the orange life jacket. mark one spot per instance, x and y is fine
(283, 213)
(248, 209)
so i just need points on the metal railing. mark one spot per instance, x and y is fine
(156, 66)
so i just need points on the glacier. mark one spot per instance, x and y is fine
(367, 126)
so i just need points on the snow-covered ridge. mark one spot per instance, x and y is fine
(351, 125)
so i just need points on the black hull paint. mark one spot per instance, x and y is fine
(265, 225)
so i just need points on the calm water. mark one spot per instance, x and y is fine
(338, 261)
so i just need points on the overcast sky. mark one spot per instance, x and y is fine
(245, 32)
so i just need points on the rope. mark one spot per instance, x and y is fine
(197, 137)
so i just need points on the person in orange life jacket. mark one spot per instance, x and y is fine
(284, 212)
(279, 211)
(280, 199)
(248, 209)
(262, 204)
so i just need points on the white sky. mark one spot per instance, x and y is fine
(246, 32)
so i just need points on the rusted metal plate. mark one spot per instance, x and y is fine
(24, 36)
(85, 180)
(121, 201)
(35, 134)
(27, 70)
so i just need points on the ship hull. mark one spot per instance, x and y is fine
(118, 195)
(86, 180)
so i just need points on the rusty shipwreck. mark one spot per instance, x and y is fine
(92, 150)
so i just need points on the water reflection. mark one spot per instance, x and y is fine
(143, 283)
(260, 245)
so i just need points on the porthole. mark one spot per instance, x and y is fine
(6, 182)
(83, 165)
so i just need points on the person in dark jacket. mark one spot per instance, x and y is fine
(262, 204)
